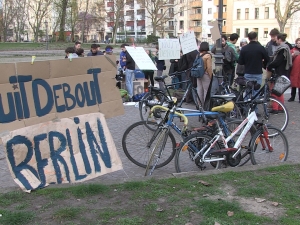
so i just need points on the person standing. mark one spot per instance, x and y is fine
(94, 50)
(295, 72)
(160, 65)
(203, 82)
(233, 38)
(252, 56)
(282, 62)
(271, 46)
(240, 69)
(190, 58)
(129, 72)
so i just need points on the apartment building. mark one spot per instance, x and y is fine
(260, 17)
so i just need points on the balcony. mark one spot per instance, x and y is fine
(197, 16)
(130, 18)
(224, 29)
(196, 4)
(196, 29)
(216, 2)
(224, 15)
(169, 28)
(169, 15)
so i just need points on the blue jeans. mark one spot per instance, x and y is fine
(257, 77)
(129, 81)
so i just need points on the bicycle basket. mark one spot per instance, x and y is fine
(282, 83)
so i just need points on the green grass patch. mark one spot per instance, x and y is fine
(68, 213)
(173, 201)
(15, 218)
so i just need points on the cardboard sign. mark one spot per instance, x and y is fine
(69, 150)
(138, 86)
(188, 42)
(168, 49)
(55, 89)
(214, 30)
(141, 58)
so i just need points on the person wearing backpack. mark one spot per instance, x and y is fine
(204, 81)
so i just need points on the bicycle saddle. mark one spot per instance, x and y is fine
(160, 79)
(226, 97)
(223, 108)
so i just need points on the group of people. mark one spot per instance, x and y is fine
(76, 51)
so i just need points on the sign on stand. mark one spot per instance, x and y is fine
(188, 42)
(141, 58)
(168, 49)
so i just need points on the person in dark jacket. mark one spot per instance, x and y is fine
(94, 50)
(253, 56)
(282, 62)
(173, 69)
(190, 57)
(149, 73)
(160, 65)
(271, 46)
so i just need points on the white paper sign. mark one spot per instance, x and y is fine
(141, 58)
(168, 49)
(188, 42)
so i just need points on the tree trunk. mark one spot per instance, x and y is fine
(154, 29)
(63, 21)
(281, 26)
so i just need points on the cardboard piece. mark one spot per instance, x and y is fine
(188, 42)
(141, 58)
(138, 86)
(70, 150)
(215, 31)
(168, 49)
(55, 89)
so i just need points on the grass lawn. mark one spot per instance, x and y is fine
(269, 196)
(11, 46)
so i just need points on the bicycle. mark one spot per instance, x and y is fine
(156, 96)
(198, 149)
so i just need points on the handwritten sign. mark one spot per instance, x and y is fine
(169, 49)
(188, 42)
(47, 90)
(70, 150)
(141, 58)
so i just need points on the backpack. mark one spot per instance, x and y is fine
(138, 97)
(198, 71)
(228, 54)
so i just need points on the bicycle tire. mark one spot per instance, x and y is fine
(259, 155)
(157, 151)
(184, 154)
(245, 152)
(279, 120)
(139, 155)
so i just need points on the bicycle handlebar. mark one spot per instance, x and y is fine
(185, 119)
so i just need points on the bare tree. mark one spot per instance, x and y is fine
(61, 6)
(8, 14)
(72, 16)
(37, 10)
(158, 12)
(20, 18)
(284, 11)
(115, 15)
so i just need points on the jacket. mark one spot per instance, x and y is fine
(236, 55)
(253, 56)
(207, 59)
(130, 64)
(282, 60)
(295, 71)
(95, 54)
(122, 63)
(271, 47)
(160, 64)
(228, 67)
(173, 66)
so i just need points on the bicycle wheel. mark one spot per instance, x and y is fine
(135, 140)
(279, 120)
(147, 102)
(189, 147)
(245, 145)
(262, 154)
(157, 151)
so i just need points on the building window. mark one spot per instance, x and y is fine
(238, 14)
(198, 23)
(181, 25)
(198, 11)
(265, 32)
(247, 14)
(256, 31)
(181, 11)
(224, 22)
(256, 16)
(246, 32)
(238, 31)
(267, 13)
(181, 1)
(161, 11)
(209, 11)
